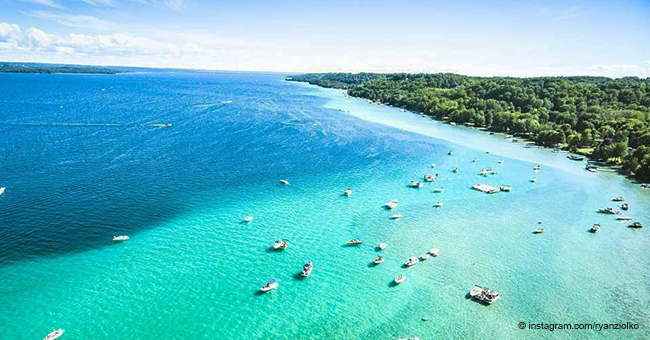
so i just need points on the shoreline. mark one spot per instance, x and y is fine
(336, 96)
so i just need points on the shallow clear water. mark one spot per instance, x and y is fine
(82, 164)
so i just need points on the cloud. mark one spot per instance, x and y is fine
(175, 4)
(622, 70)
(48, 3)
(100, 3)
(72, 20)
(571, 13)
(13, 39)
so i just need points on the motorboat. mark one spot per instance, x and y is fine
(2, 190)
(538, 231)
(625, 206)
(425, 257)
(415, 184)
(120, 238)
(284, 181)
(438, 204)
(399, 279)
(54, 335)
(505, 188)
(396, 216)
(412, 261)
(618, 199)
(608, 211)
(434, 252)
(270, 285)
(433, 165)
(379, 260)
(391, 205)
(429, 178)
(484, 294)
(533, 180)
(248, 219)
(575, 157)
(635, 225)
(441, 189)
(382, 246)
(501, 161)
(347, 192)
(623, 218)
(595, 228)
(355, 241)
(483, 173)
(280, 245)
(537, 167)
(455, 170)
(450, 153)
(474, 160)
(307, 269)
(591, 168)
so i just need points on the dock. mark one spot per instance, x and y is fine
(486, 188)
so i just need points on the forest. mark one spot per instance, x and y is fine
(51, 68)
(606, 119)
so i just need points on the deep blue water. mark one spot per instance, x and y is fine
(82, 160)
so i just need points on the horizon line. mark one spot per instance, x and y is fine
(180, 68)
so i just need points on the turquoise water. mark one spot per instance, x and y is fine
(82, 164)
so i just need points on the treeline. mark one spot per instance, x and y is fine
(335, 80)
(32, 68)
(607, 119)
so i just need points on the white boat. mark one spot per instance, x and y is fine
(441, 189)
(415, 184)
(429, 178)
(537, 167)
(307, 269)
(284, 181)
(618, 199)
(412, 261)
(416, 338)
(272, 284)
(433, 165)
(538, 231)
(280, 244)
(355, 241)
(2, 190)
(424, 256)
(248, 219)
(347, 192)
(501, 161)
(400, 278)
(624, 218)
(391, 205)
(595, 228)
(396, 216)
(484, 294)
(54, 335)
(455, 170)
(439, 204)
(608, 211)
(450, 153)
(505, 188)
(120, 238)
(382, 246)
(379, 260)
(434, 252)
(533, 180)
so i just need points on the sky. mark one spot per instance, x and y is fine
(490, 38)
